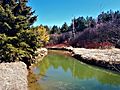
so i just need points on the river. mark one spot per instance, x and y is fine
(58, 71)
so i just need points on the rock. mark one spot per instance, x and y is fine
(13, 76)
(106, 58)
(70, 48)
(42, 52)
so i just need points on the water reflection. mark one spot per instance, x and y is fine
(57, 68)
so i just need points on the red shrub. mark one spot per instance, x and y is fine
(98, 45)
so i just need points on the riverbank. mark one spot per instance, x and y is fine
(14, 75)
(106, 58)
(32, 84)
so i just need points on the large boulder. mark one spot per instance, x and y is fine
(13, 76)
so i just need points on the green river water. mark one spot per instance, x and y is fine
(61, 72)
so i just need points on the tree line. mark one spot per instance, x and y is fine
(90, 32)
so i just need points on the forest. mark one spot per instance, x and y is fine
(89, 32)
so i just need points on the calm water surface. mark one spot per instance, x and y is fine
(61, 72)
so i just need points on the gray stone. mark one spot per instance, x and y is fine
(107, 55)
(13, 76)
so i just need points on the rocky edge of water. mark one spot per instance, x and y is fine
(106, 55)
(107, 58)
(13, 76)
(42, 52)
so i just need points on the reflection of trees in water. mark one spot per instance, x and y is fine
(78, 70)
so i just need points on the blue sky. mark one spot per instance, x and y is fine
(56, 12)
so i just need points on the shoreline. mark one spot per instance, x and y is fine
(42, 52)
(14, 75)
(104, 58)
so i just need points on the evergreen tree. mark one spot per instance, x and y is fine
(64, 28)
(47, 28)
(90, 22)
(17, 40)
(54, 30)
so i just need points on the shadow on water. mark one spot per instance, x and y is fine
(62, 72)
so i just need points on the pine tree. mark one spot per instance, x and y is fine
(64, 28)
(17, 40)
